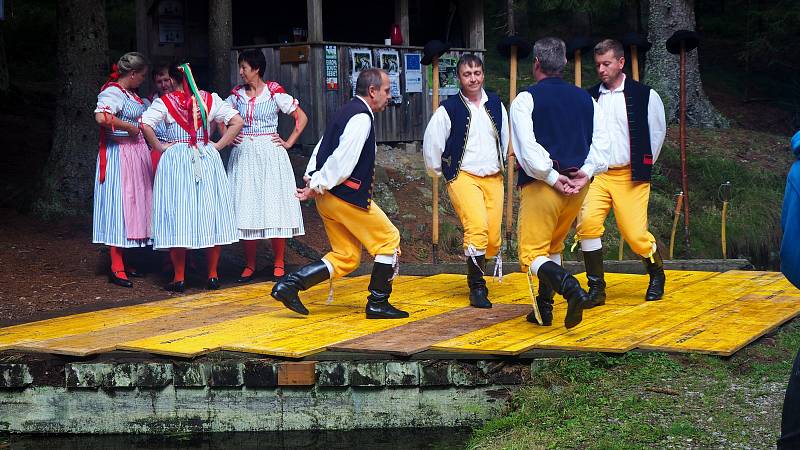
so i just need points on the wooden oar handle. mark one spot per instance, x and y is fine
(435, 212)
(635, 62)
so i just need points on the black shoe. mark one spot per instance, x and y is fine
(213, 284)
(478, 292)
(544, 303)
(566, 285)
(655, 268)
(245, 279)
(114, 279)
(594, 274)
(176, 286)
(286, 290)
(135, 273)
(380, 288)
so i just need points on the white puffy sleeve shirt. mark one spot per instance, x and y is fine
(111, 100)
(535, 159)
(221, 111)
(480, 154)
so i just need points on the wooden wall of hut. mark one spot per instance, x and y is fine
(404, 122)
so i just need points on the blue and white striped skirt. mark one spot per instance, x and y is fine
(108, 217)
(192, 206)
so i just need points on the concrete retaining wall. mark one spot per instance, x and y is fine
(253, 395)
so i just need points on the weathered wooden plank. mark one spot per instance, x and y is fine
(517, 336)
(315, 337)
(106, 339)
(419, 336)
(623, 332)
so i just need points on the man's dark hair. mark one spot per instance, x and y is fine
(254, 59)
(607, 45)
(367, 79)
(176, 74)
(158, 69)
(468, 59)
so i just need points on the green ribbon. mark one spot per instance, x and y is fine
(187, 71)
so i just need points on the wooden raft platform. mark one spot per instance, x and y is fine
(706, 312)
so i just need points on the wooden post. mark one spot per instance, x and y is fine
(578, 67)
(682, 133)
(220, 41)
(401, 19)
(314, 14)
(512, 94)
(635, 62)
(435, 179)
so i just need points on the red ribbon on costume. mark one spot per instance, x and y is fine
(180, 107)
(108, 118)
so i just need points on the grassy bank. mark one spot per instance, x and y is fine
(651, 400)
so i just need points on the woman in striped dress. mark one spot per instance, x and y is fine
(259, 169)
(192, 205)
(123, 178)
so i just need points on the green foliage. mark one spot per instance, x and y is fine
(649, 400)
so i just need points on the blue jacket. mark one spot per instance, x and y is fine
(790, 220)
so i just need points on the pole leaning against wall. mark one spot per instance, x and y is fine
(514, 48)
(432, 51)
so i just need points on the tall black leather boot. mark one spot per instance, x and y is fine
(478, 292)
(544, 303)
(286, 289)
(566, 285)
(655, 268)
(594, 274)
(380, 287)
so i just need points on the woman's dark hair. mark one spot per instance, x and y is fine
(254, 59)
(158, 69)
(176, 75)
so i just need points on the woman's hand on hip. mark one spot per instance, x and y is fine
(278, 141)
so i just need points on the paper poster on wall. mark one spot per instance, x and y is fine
(389, 61)
(331, 68)
(448, 77)
(360, 59)
(413, 72)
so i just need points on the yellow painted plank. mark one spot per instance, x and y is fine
(624, 331)
(518, 335)
(316, 337)
(196, 341)
(106, 339)
(80, 323)
(728, 328)
(344, 290)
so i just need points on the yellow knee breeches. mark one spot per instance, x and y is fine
(615, 189)
(349, 227)
(545, 217)
(478, 201)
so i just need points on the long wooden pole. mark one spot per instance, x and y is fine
(435, 179)
(684, 176)
(511, 162)
(678, 206)
(635, 62)
(635, 72)
(578, 67)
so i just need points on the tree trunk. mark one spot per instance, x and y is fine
(666, 17)
(82, 67)
(220, 41)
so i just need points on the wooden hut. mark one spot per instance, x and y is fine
(310, 47)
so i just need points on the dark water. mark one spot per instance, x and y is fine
(402, 439)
